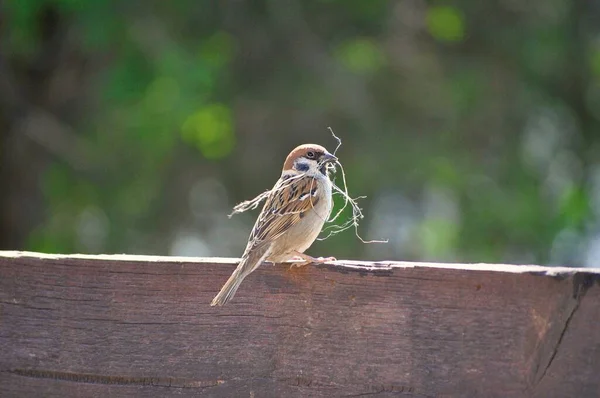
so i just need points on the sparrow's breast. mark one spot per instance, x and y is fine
(300, 236)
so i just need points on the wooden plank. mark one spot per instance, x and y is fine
(128, 326)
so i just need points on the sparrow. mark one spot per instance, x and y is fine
(291, 218)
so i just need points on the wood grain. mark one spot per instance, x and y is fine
(129, 326)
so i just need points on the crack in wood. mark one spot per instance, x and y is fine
(539, 377)
(376, 269)
(173, 382)
(90, 378)
(581, 283)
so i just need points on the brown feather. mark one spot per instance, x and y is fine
(283, 208)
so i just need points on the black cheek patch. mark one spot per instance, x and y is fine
(302, 167)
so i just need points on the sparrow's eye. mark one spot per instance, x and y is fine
(310, 154)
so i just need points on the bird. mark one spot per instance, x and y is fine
(291, 218)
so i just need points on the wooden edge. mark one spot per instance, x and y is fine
(368, 266)
(529, 330)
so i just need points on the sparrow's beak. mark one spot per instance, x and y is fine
(328, 158)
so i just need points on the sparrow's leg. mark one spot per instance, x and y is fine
(310, 260)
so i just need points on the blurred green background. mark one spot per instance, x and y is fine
(134, 126)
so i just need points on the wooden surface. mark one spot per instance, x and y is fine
(125, 326)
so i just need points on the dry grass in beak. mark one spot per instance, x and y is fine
(357, 214)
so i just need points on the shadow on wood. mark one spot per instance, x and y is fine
(128, 326)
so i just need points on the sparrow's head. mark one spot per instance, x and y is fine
(309, 158)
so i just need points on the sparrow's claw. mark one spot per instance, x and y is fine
(299, 264)
(311, 260)
(326, 259)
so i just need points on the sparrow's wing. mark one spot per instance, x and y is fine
(287, 204)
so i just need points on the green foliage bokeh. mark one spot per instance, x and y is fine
(471, 127)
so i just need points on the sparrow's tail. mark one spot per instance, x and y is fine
(228, 290)
(247, 265)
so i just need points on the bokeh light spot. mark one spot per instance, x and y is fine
(445, 23)
(210, 129)
(361, 56)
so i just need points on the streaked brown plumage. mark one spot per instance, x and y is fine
(292, 217)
